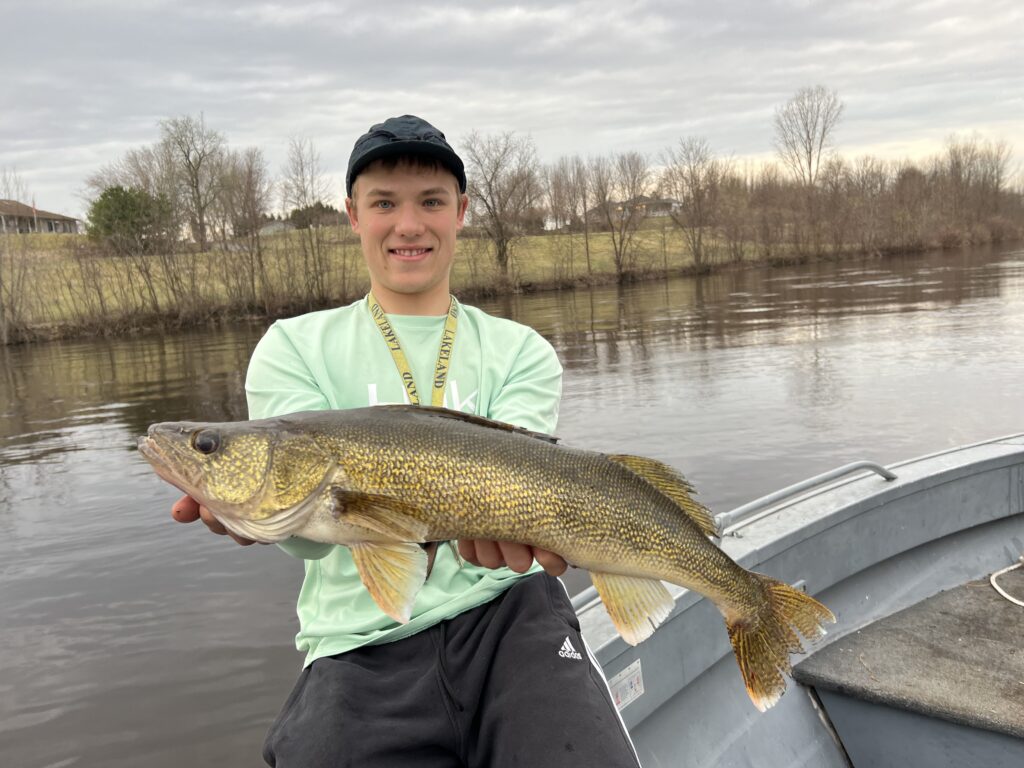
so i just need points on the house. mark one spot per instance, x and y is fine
(18, 217)
(641, 206)
(654, 206)
(275, 227)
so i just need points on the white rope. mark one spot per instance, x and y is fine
(1000, 590)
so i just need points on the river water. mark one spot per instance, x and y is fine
(128, 640)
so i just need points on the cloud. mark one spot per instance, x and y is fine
(92, 79)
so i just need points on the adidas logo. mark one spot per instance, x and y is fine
(568, 652)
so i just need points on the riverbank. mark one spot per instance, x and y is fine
(61, 287)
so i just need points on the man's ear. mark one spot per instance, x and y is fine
(353, 217)
(463, 207)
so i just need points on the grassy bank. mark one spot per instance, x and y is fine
(62, 286)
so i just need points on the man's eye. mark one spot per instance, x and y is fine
(386, 204)
(433, 203)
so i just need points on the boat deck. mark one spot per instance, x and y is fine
(953, 661)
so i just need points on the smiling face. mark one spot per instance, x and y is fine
(407, 218)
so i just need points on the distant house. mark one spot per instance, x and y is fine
(642, 206)
(275, 227)
(654, 206)
(18, 217)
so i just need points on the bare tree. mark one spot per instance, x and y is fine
(693, 176)
(867, 188)
(619, 185)
(766, 197)
(911, 214)
(995, 171)
(557, 179)
(504, 187)
(803, 130)
(303, 185)
(561, 211)
(580, 191)
(735, 213)
(199, 154)
(834, 180)
(974, 173)
(242, 206)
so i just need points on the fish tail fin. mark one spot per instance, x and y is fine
(762, 642)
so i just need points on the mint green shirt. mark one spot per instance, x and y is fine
(338, 359)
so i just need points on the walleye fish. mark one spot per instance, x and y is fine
(384, 480)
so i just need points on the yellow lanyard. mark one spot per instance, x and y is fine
(444, 354)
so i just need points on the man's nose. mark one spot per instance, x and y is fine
(409, 222)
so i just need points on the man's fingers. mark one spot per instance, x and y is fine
(185, 510)
(553, 564)
(488, 554)
(467, 551)
(518, 557)
(212, 522)
(188, 510)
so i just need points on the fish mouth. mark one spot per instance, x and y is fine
(158, 459)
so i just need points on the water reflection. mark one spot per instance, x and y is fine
(129, 640)
(753, 306)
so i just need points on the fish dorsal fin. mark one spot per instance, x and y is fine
(470, 418)
(392, 573)
(636, 605)
(671, 483)
(385, 515)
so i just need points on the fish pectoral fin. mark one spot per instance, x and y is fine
(636, 605)
(471, 418)
(671, 483)
(392, 573)
(390, 517)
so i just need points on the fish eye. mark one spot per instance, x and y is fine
(206, 441)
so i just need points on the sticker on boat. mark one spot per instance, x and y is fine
(627, 686)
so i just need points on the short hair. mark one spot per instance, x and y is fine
(411, 160)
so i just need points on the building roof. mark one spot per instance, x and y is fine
(14, 208)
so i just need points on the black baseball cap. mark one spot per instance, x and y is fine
(405, 135)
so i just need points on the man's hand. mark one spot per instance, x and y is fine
(518, 557)
(188, 510)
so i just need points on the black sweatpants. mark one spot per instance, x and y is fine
(508, 683)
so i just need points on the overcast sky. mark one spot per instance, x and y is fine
(83, 81)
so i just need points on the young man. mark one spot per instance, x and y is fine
(476, 677)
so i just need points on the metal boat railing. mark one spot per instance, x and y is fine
(727, 520)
